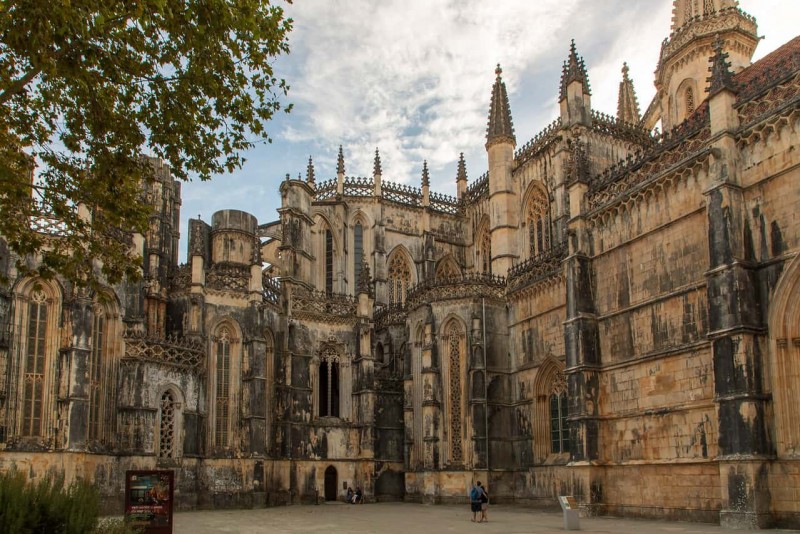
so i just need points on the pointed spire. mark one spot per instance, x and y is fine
(462, 169)
(721, 77)
(574, 70)
(426, 179)
(310, 172)
(627, 104)
(500, 127)
(376, 168)
(340, 162)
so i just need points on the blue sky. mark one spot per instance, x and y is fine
(413, 78)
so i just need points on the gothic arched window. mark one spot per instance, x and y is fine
(328, 261)
(35, 366)
(689, 99)
(537, 218)
(447, 268)
(329, 383)
(559, 429)
(97, 364)
(166, 442)
(484, 248)
(222, 387)
(358, 251)
(454, 336)
(399, 278)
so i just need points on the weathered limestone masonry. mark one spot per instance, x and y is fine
(608, 312)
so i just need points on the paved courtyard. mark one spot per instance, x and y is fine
(391, 518)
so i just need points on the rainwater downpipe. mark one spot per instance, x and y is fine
(485, 386)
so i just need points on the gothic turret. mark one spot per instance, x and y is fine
(340, 171)
(627, 104)
(575, 94)
(310, 172)
(377, 172)
(682, 68)
(500, 143)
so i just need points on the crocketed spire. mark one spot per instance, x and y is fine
(501, 127)
(310, 171)
(721, 77)
(462, 169)
(627, 104)
(340, 162)
(574, 69)
(376, 168)
(426, 179)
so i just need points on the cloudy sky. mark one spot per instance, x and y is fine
(413, 78)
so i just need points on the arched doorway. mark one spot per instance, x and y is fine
(330, 483)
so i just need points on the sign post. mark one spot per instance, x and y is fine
(570, 508)
(149, 499)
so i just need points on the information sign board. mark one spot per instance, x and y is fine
(149, 499)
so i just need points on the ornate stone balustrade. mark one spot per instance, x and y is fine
(228, 277)
(468, 285)
(45, 222)
(271, 288)
(671, 147)
(402, 194)
(607, 124)
(329, 307)
(177, 352)
(358, 187)
(537, 268)
(445, 204)
(326, 190)
(390, 314)
(539, 141)
(478, 189)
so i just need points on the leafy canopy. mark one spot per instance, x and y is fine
(87, 85)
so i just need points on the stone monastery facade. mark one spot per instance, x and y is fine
(607, 313)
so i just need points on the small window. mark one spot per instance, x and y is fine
(328, 261)
(166, 447)
(329, 384)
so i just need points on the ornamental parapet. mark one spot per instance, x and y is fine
(721, 21)
(271, 288)
(478, 189)
(542, 266)
(174, 351)
(401, 194)
(539, 141)
(328, 307)
(468, 285)
(668, 149)
(608, 124)
(390, 314)
(226, 276)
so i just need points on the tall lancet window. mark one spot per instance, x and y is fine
(559, 430)
(454, 336)
(399, 278)
(35, 361)
(328, 261)
(483, 250)
(222, 388)
(358, 252)
(537, 219)
(166, 446)
(97, 362)
(329, 383)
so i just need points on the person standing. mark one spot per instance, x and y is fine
(483, 498)
(475, 502)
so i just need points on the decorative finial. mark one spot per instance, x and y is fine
(310, 171)
(625, 69)
(500, 127)
(498, 71)
(426, 181)
(462, 169)
(340, 162)
(721, 77)
(376, 168)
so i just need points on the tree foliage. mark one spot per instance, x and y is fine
(88, 86)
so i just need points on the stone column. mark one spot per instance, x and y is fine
(74, 373)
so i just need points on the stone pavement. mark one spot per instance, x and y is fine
(407, 518)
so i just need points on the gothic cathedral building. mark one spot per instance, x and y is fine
(609, 312)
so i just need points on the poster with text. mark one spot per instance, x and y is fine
(148, 500)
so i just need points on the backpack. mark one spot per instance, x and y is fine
(474, 495)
